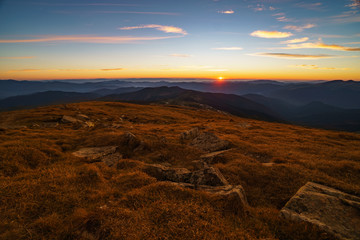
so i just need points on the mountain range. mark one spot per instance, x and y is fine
(331, 105)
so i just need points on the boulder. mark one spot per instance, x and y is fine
(335, 212)
(208, 176)
(69, 119)
(214, 157)
(108, 155)
(205, 141)
(231, 199)
(130, 140)
(163, 173)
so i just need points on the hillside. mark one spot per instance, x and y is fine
(44, 186)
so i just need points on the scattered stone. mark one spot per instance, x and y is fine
(214, 157)
(68, 119)
(82, 117)
(108, 155)
(162, 173)
(130, 140)
(205, 141)
(233, 198)
(198, 164)
(333, 211)
(208, 176)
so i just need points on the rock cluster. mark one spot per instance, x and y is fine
(205, 141)
(335, 212)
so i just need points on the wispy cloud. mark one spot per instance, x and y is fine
(271, 34)
(299, 28)
(293, 56)
(180, 55)
(310, 6)
(112, 69)
(163, 28)
(22, 57)
(316, 67)
(84, 39)
(296, 40)
(227, 12)
(228, 48)
(321, 45)
(66, 70)
(281, 17)
(354, 5)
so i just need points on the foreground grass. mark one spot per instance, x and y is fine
(46, 193)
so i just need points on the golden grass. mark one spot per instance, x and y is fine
(46, 193)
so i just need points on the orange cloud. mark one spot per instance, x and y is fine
(163, 28)
(227, 12)
(297, 40)
(112, 69)
(23, 57)
(299, 28)
(293, 56)
(321, 45)
(316, 67)
(228, 48)
(84, 38)
(271, 34)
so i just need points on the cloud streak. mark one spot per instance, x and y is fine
(316, 67)
(320, 45)
(293, 56)
(271, 34)
(84, 39)
(163, 28)
(227, 12)
(299, 28)
(296, 40)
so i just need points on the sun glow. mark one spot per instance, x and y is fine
(220, 78)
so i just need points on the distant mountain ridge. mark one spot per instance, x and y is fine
(330, 105)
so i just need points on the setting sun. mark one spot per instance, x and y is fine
(220, 78)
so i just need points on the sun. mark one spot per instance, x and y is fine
(220, 78)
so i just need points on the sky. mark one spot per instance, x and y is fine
(203, 39)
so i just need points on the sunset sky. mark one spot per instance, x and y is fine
(233, 39)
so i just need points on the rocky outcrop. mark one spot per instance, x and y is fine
(333, 211)
(208, 176)
(108, 155)
(163, 173)
(231, 198)
(205, 141)
(81, 120)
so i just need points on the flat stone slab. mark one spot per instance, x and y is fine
(108, 155)
(335, 212)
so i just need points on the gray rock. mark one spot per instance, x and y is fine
(69, 119)
(163, 173)
(108, 155)
(333, 211)
(208, 176)
(205, 141)
(130, 140)
(232, 198)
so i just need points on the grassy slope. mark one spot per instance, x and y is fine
(46, 193)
